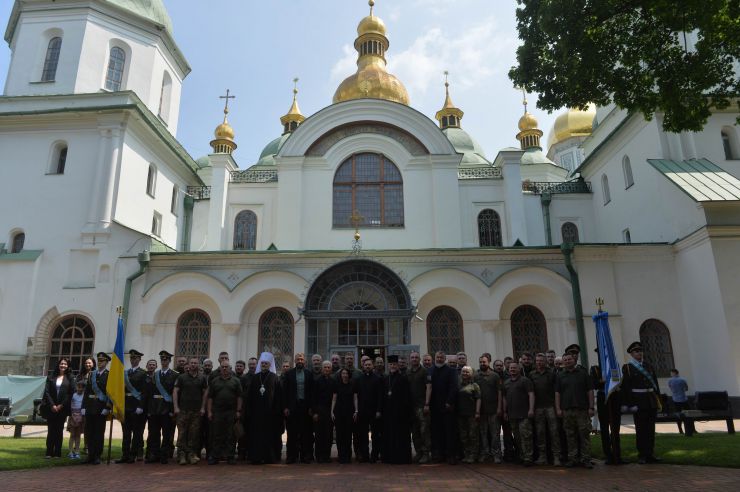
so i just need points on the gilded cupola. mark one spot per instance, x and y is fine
(371, 79)
(224, 143)
(293, 117)
(449, 115)
(529, 135)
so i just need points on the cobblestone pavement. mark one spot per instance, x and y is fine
(222, 478)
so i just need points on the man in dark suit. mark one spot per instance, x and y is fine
(95, 408)
(133, 425)
(160, 411)
(640, 394)
(443, 401)
(297, 397)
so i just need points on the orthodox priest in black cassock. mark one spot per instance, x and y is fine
(264, 405)
(397, 412)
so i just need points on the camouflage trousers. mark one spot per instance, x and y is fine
(522, 430)
(222, 430)
(467, 429)
(188, 433)
(489, 429)
(577, 425)
(546, 423)
(421, 433)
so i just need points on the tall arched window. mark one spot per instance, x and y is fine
(18, 241)
(52, 60)
(116, 64)
(657, 347)
(73, 337)
(164, 97)
(372, 185)
(245, 230)
(58, 158)
(174, 201)
(627, 171)
(151, 180)
(528, 330)
(605, 189)
(569, 231)
(445, 330)
(193, 338)
(276, 334)
(489, 228)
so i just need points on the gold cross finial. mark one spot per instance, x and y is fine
(599, 303)
(447, 84)
(371, 3)
(227, 97)
(295, 85)
(524, 99)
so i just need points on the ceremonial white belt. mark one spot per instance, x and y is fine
(642, 390)
(129, 394)
(157, 396)
(93, 397)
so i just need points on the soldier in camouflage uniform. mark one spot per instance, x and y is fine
(188, 399)
(224, 410)
(519, 409)
(468, 415)
(420, 382)
(491, 410)
(545, 419)
(574, 402)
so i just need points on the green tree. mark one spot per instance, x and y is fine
(676, 57)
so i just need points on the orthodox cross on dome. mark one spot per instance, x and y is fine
(447, 73)
(295, 85)
(227, 97)
(371, 3)
(524, 99)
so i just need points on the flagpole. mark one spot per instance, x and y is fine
(119, 310)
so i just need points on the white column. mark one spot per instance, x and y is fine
(222, 165)
(109, 178)
(515, 220)
(232, 332)
(446, 223)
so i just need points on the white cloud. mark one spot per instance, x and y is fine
(345, 66)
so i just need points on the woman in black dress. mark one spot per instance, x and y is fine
(57, 397)
(344, 414)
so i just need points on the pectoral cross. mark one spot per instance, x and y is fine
(227, 97)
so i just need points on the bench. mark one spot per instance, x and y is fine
(708, 405)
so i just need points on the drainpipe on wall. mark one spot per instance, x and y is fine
(545, 199)
(143, 264)
(187, 223)
(567, 250)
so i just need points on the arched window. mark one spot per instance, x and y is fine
(164, 97)
(627, 171)
(528, 330)
(174, 201)
(605, 189)
(52, 60)
(151, 180)
(656, 346)
(193, 337)
(156, 224)
(73, 337)
(116, 64)
(58, 158)
(245, 230)
(489, 228)
(18, 240)
(276, 334)
(372, 185)
(569, 231)
(445, 330)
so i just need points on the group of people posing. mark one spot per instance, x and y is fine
(538, 407)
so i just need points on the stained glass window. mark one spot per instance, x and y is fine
(489, 228)
(245, 230)
(193, 334)
(276, 334)
(372, 185)
(656, 344)
(528, 330)
(73, 337)
(445, 330)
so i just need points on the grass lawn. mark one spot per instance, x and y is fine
(28, 452)
(715, 449)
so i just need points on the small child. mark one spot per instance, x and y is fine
(75, 423)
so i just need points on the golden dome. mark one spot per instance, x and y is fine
(527, 122)
(224, 131)
(572, 123)
(371, 79)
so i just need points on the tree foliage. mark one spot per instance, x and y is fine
(679, 58)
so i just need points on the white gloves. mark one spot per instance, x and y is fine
(139, 411)
(105, 412)
(82, 412)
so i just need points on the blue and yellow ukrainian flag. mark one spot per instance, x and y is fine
(116, 386)
(610, 369)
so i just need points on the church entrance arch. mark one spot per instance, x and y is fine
(357, 304)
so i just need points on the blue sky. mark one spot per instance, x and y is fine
(255, 48)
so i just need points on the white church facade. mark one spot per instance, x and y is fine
(367, 226)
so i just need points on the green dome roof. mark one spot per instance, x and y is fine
(465, 144)
(203, 162)
(267, 157)
(153, 10)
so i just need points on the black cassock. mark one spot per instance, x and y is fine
(396, 419)
(263, 417)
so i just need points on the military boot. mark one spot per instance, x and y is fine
(181, 459)
(194, 459)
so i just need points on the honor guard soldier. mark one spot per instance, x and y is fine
(610, 417)
(133, 425)
(160, 411)
(95, 408)
(640, 395)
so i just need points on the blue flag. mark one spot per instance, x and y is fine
(611, 372)
(115, 387)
